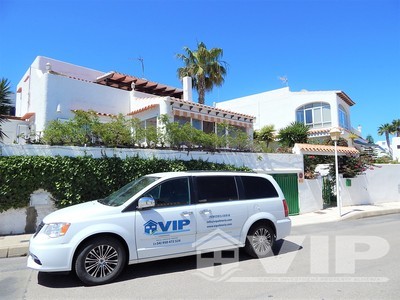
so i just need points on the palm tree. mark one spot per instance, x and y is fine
(5, 94)
(5, 103)
(370, 139)
(386, 129)
(296, 132)
(204, 67)
(266, 134)
(396, 127)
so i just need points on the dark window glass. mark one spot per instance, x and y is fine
(216, 188)
(258, 187)
(208, 127)
(300, 116)
(309, 118)
(181, 120)
(196, 124)
(171, 193)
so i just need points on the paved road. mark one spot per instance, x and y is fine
(350, 260)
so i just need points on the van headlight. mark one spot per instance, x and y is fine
(55, 230)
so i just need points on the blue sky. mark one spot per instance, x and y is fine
(348, 45)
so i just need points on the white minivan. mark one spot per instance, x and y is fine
(160, 216)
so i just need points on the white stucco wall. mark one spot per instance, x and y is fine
(137, 103)
(66, 68)
(21, 106)
(13, 128)
(48, 91)
(31, 83)
(379, 185)
(13, 221)
(396, 148)
(357, 193)
(260, 162)
(70, 87)
(310, 196)
(73, 94)
(383, 183)
(278, 107)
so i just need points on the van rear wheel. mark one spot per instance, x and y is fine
(260, 240)
(100, 261)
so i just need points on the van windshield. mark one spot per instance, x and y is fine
(122, 195)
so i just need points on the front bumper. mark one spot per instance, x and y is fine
(49, 254)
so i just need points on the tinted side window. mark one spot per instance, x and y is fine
(171, 193)
(258, 187)
(216, 188)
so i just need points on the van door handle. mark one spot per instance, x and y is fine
(186, 213)
(205, 212)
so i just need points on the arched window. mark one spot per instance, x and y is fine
(315, 115)
(343, 118)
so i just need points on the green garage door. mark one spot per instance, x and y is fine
(288, 184)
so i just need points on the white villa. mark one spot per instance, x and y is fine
(320, 110)
(394, 147)
(52, 89)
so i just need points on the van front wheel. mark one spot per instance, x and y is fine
(260, 240)
(100, 261)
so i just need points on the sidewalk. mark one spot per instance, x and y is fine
(17, 245)
(348, 213)
(14, 245)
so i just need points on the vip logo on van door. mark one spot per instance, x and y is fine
(152, 227)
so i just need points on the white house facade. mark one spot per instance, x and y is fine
(320, 110)
(53, 90)
(395, 147)
(16, 129)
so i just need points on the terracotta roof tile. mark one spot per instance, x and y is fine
(194, 104)
(97, 113)
(148, 107)
(28, 115)
(325, 149)
(25, 117)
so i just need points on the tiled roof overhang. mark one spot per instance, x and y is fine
(25, 117)
(148, 107)
(345, 98)
(128, 82)
(208, 109)
(323, 150)
(96, 113)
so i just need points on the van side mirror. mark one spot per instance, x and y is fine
(146, 202)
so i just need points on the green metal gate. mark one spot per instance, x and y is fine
(289, 186)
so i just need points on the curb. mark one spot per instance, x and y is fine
(16, 251)
(367, 214)
(14, 246)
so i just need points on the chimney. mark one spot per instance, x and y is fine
(187, 88)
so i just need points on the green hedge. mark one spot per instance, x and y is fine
(73, 180)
